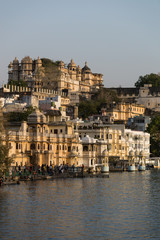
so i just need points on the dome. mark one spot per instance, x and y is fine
(131, 153)
(26, 60)
(78, 68)
(37, 117)
(15, 60)
(105, 153)
(72, 64)
(10, 65)
(88, 139)
(86, 69)
(39, 61)
(61, 64)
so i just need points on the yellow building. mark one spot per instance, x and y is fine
(124, 110)
(42, 141)
(62, 79)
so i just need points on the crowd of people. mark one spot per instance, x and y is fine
(43, 169)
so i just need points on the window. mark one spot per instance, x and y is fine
(57, 147)
(85, 148)
(16, 145)
(69, 149)
(32, 147)
(55, 131)
(61, 131)
(110, 136)
(119, 137)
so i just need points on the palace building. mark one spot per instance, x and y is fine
(71, 79)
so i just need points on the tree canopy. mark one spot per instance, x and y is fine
(154, 130)
(46, 62)
(5, 160)
(51, 74)
(20, 116)
(98, 100)
(19, 83)
(152, 78)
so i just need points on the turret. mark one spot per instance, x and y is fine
(72, 69)
(38, 63)
(61, 65)
(27, 65)
(79, 73)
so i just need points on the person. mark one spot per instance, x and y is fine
(73, 166)
(1, 181)
(24, 169)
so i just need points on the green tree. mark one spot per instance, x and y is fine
(20, 116)
(51, 74)
(154, 130)
(152, 78)
(87, 108)
(19, 83)
(5, 160)
(99, 100)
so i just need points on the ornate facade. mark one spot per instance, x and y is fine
(48, 142)
(70, 79)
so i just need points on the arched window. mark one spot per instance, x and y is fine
(110, 136)
(91, 161)
(32, 147)
(85, 148)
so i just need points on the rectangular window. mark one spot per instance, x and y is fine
(55, 131)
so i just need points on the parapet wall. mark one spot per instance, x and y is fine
(18, 89)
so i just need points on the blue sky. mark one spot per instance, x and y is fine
(118, 38)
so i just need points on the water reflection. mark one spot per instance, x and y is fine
(125, 206)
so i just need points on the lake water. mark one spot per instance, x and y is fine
(123, 206)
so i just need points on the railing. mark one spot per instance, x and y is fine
(75, 169)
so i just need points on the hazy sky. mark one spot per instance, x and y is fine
(118, 38)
